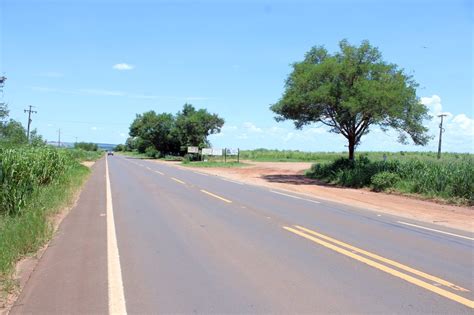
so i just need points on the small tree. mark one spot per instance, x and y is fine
(351, 90)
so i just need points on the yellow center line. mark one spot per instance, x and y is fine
(386, 260)
(178, 180)
(215, 196)
(386, 269)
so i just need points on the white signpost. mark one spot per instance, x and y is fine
(206, 151)
(216, 152)
(193, 150)
(232, 151)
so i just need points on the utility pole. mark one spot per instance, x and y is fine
(441, 130)
(29, 111)
(59, 138)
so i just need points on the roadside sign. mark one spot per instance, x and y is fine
(193, 150)
(232, 151)
(217, 152)
(206, 151)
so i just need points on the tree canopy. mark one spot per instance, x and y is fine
(170, 133)
(351, 90)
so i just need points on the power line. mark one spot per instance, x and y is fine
(29, 111)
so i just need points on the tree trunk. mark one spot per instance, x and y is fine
(351, 148)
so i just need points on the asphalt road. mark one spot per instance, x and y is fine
(148, 237)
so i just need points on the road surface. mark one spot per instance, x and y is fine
(148, 237)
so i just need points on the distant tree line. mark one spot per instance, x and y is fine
(86, 146)
(165, 133)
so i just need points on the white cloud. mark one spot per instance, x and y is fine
(433, 103)
(123, 134)
(94, 128)
(123, 66)
(251, 128)
(102, 92)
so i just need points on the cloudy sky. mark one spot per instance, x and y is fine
(89, 66)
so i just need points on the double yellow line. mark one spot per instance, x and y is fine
(376, 261)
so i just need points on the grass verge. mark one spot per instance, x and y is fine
(23, 234)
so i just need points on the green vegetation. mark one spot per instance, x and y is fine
(86, 146)
(451, 179)
(158, 135)
(35, 184)
(349, 92)
(265, 155)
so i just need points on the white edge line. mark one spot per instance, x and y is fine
(114, 272)
(295, 197)
(434, 230)
(231, 181)
(201, 173)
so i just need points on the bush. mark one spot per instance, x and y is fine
(87, 146)
(384, 180)
(152, 152)
(451, 179)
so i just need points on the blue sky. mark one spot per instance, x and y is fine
(230, 57)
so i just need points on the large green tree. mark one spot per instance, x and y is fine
(152, 129)
(350, 91)
(172, 134)
(12, 132)
(194, 126)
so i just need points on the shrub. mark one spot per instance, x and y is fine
(152, 152)
(86, 146)
(384, 180)
(451, 179)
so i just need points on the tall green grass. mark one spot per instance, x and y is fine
(35, 183)
(451, 179)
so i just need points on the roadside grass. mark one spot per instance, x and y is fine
(83, 155)
(451, 179)
(214, 164)
(29, 225)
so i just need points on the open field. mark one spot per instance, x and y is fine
(36, 184)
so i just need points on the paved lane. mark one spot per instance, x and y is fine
(191, 243)
(322, 280)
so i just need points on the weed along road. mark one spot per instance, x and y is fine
(148, 237)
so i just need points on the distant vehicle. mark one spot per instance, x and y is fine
(110, 153)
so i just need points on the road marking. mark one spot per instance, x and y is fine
(200, 173)
(383, 268)
(385, 260)
(178, 180)
(159, 172)
(295, 197)
(114, 272)
(149, 168)
(215, 196)
(232, 181)
(442, 232)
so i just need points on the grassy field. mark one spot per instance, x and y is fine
(36, 184)
(264, 155)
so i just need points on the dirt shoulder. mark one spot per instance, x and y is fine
(290, 176)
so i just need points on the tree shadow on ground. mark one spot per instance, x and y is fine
(293, 180)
